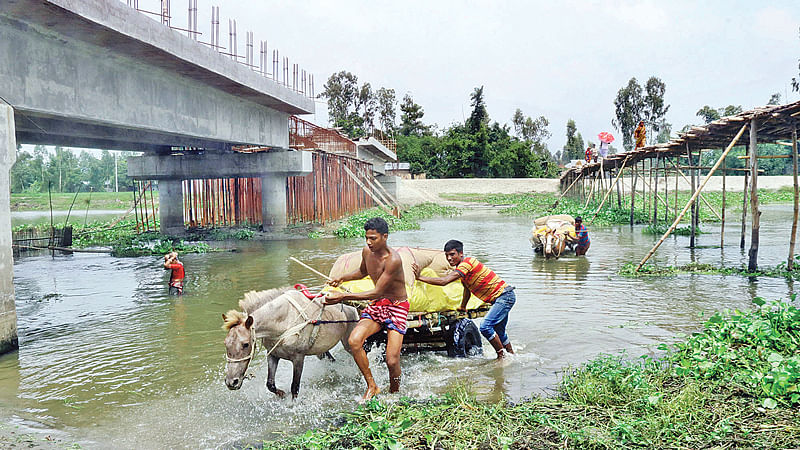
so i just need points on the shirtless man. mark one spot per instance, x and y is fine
(388, 306)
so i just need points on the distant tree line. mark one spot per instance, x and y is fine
(66, 172)
(478, 147)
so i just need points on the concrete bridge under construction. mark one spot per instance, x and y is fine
(100, 74)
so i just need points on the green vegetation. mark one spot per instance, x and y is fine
(37, 201)
(539, 204)
(662, 227)
(652, 270)
(353, 226)
(732, 384)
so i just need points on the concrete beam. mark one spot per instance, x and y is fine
(215, 165)
(8, 154)
(96, 73)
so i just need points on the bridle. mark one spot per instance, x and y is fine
(253, 342)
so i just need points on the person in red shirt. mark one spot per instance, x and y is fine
(176, 279)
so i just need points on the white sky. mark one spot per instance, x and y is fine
(561, 59)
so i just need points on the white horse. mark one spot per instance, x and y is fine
(290, 326)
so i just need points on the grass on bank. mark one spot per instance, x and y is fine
(539, 204)
(353, 226)
(732, 384)
(651, 270)
(62, 201)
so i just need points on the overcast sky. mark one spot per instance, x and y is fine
(561, 59)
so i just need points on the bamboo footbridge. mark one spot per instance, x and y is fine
(647, 166)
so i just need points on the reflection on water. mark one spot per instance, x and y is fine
(109, 359)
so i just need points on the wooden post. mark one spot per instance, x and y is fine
(675, 203)
(666, 189)
(790, 261)
(744, 203)
(635, 176)
(619, 195)
(694, 206)
(722, 225)
(621, 171)
(655, 192)
(691, 200)
(755, 214)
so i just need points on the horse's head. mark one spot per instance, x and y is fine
(554, 243)
(240, 344)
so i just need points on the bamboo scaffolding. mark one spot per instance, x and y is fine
(621, 171)
(691, 200)
(553, 206)
(702, 198)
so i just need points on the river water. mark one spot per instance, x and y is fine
(108, 359)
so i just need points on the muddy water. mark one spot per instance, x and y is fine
(107, 359)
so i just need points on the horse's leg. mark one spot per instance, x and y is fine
(298, 361)
(326, 355)
(272, 366)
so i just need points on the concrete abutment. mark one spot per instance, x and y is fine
(8, 311)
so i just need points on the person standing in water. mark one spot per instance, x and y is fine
(486, 285)
(176, 279)
(388, 307)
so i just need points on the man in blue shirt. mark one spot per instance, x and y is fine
(583, 237)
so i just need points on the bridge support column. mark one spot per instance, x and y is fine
(170, 207)
(8, 154)
(273, 202)
(391, 183)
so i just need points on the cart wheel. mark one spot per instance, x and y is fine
(466, 340)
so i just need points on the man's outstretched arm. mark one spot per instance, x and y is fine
(436, 281)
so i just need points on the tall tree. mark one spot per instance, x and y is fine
(654, 107)
(710, 114)
(411, 118)
(368, 105)
(573, 148)
(527, 128)
(386, 109)
(343, 96)
(629, 106)
(775, 99)
(479, 117)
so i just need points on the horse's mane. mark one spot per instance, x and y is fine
(233, 318)
(256, 299)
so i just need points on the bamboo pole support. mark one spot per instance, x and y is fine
(553, 206)
(655, 192)
(675, 201)
(790, 261)
(591, 193)
(691, 200)
(633, 191)
(702, 198)
(755, 214)
(621, 171)
(744, 206)
(693, 236)
(722, 224)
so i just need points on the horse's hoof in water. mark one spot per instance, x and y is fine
(280, 393)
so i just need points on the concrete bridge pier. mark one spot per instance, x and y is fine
(170, 207)
(271, 167)
(273, 202)
(8, 154)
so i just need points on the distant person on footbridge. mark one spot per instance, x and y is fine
(486, 285)
(640, 134)
(176, 279)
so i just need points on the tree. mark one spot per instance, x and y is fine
(654, 108)
(534, 130)
(710, 114)
(775, 99)
(573, 149)
(386, 109)
(368, 104)
(629, 106)
(411, 118)
(344, 97)
(479, 116)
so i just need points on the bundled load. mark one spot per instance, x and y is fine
(551, 234)
(422, 297)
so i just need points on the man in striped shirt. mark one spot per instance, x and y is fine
(583, 237)
(486, 285)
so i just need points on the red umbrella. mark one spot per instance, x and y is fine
(606, 137)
